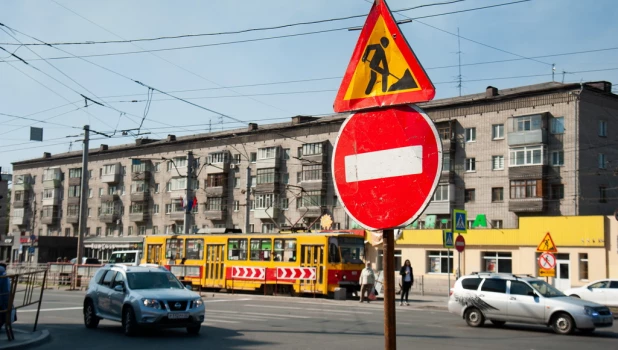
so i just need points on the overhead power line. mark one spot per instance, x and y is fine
(258, 39)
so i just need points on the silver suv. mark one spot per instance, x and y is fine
(140, 297)
(502, 298)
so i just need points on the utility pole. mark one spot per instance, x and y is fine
(248, 199)
(188, 191)
(83, 197)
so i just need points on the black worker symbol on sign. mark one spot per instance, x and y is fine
(379, 65)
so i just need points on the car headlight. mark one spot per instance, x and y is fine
(590, 311)
(197, 303)
(152, 303)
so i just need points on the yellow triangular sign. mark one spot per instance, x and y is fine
(547, 245)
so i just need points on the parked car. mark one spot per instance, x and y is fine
(139, 297)
(604, 292)
(87, 261)
(502, 298)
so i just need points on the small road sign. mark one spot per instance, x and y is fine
(547, 245)
(460, 220)
(383, 70)
(547, 261)
(296, 273)
(386, 165)
(460, 243)
(447, 239)
(547, 273)
(250, 273)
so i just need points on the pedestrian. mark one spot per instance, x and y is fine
(5, 292)
(407, 279)
(367, 279)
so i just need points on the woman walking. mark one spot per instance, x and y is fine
(407, 279)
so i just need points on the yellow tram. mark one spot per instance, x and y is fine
(281, 262)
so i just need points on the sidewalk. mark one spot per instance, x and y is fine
(23, 339)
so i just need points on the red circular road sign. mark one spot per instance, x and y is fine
(386, 165)
(460, 243)
(547, 261)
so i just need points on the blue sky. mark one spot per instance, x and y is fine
(528, 29)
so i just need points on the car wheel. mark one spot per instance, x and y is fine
(563, 323)
(498, 323)
(90, 318)
(474, 317)
(194, 330)
(587, 330)
(129, 324)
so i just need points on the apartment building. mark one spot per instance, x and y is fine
(539, 150)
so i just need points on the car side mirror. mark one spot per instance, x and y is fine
(119, 288)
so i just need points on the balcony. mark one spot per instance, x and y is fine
(272, 187)
(319, 158)
(266, 213)
(51, 201)
(313, 185)
(439, 208)
(519, 138)
(73, 219)
(18, 220)
(73, 201)
(310, 212)
(138, 217)
(75, 181)
(218, 162)
(219, 191)
(110, 197)
(51, 178)
(271, 162)
(141, 175)
(219, 168)
(177, 215)
(140, 196)
(111, 175)
(23, 202)
(108, 218)
(527, 172)
(448, 145)
(527, 205)
(215, 214)
(22, 182)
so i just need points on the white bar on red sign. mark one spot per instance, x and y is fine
(383, 164)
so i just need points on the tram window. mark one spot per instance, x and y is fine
(285, 250)
(260, 249)
(194, 248)
(173, 248)
(237, 249)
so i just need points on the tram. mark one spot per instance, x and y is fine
(292, 263)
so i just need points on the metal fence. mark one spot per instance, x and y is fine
(423, 284)
(25, 289)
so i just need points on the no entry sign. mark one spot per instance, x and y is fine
(460, 243)
(386, 165)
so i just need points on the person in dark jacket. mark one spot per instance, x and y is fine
(407, 280)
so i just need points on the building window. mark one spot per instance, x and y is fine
(130, 232)
(439, 261)
(268, 227)
(469, 195)
(139, 187)
(285, 203)
(470, 164)
(602, 194)
(312, 199)
(267, 152)
(299, 177)
(557, 191)
(285, 178)
(253, 181)
(73, 210)
(215, 180)
(397, 264)
(219, 157)
(445, 132)
(155, 230)
(264, 201)
(528, 123)
(180, 162)
(497, 262)
(98, 231)
(141, 230)
(237, 249)
(497, 131)
(310, 149)
(497, 163)
(136, 208)
(157, 188)
(89, 211)
(253, 157)
(267, 176)
(602, 162)
(497, 194)
(583, 266)
(557, 125)
(251, 228)
(155, 209)
(100, 192)
(90, 193)
(526, 189)
(214, 204)
(236, 205)
(312, 172)
(441, 194)
(531, 155)
(237, 158)
(603, 128)
(157, 167)
(75, 172)
(496, 224)
(446, 162)
(74, 191)
(557, 158)
(470, 134)
(237, 182)
(109, 169)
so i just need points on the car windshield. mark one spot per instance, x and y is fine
(546, 289)
(152, 280)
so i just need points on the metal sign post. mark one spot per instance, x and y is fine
(388, 261)
(448, 266)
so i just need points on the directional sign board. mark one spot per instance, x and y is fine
(383, 70)
(547, 245)
(460, 243)
(296, 273)
(547, 261)
(386, 165)
(447, 239)
(460, 219)
(251, 273)
(547, 273)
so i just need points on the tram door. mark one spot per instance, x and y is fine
(312, 256)
(153, 254)
(214, 269)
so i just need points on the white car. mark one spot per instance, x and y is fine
(604, 292)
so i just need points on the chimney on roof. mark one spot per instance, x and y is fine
(299, 119)
(171, 138)
(491, 92)
(46, 155)
(252, 127)
(103, 148)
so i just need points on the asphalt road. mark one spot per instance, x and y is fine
(257, 322)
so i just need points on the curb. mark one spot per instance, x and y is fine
(15, 344)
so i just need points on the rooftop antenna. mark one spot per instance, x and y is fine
(553, 71)
(459, 58)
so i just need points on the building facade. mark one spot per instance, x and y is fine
(541, 150)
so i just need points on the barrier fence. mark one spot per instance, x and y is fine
(24, 289)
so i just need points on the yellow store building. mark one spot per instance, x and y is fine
(586, 247)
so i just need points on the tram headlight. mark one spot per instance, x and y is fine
(344, 277)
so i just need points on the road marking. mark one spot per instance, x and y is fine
(311, 310)
(383, 164)
(219, 321)
(55, 309)
(244, 317)
(258, 314)
(221, 300)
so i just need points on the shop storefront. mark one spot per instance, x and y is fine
(6, 247)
